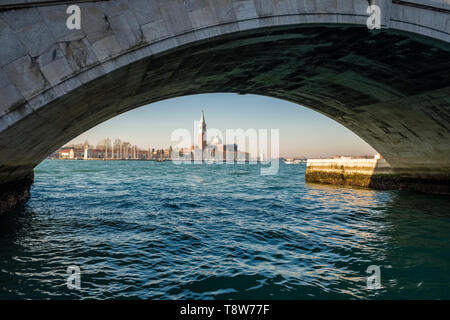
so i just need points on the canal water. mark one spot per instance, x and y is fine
(153, 230)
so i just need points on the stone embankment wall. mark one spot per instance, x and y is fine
(369, 173)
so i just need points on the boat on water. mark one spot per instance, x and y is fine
(292, 161)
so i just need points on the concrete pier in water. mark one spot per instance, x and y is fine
(370, 173)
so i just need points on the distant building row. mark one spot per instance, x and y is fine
(119, 150)
(76, 153)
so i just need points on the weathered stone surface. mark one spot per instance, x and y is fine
(391, 86)
(437, 185)
(15, 193)
(9, 98)
(36, 38)
(12, 48)
(25, 74)
(106, 48)
(57, 70)
(79, 54)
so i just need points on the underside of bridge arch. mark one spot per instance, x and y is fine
(391, 88)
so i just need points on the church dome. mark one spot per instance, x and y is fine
(216, 141)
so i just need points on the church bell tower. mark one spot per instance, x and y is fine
(202, 133)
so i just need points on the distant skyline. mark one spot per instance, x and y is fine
(303, 132)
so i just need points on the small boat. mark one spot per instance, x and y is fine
(291, 161)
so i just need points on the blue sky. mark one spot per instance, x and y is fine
(303, 132)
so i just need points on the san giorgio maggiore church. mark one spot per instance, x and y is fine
(215, 150)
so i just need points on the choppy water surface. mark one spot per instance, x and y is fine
(163, 231)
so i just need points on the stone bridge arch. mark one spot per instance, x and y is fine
(389, 86)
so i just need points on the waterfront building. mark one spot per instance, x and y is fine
(66, 154)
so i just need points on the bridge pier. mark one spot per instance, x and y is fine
(15, 193)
